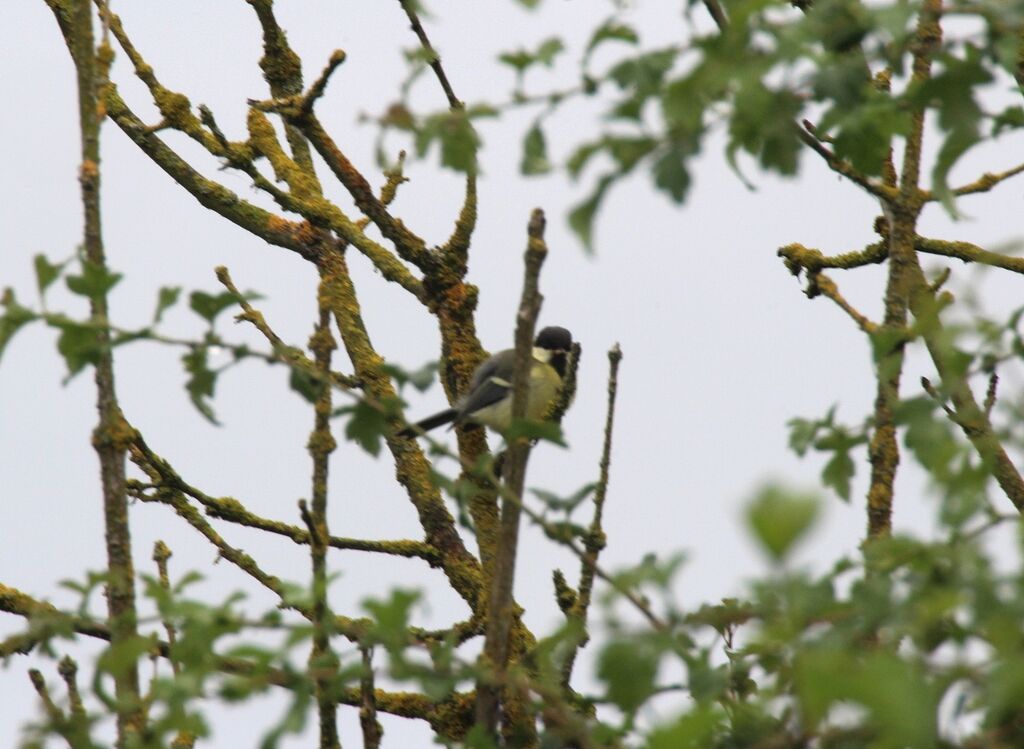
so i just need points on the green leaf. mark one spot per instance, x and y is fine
(457, 136)
(366, 425)
(644, 73)
(421, 378)
(779, 518)
(762, 125)
(582, 156)
(535, 152)
(201, 382)
(392, 615)
(628, 669)
(521, 60)
(1011, 118)
(671, 175)
(581, 217)
(79, 345)
(208, 306)
(305, 384)
(611, 30)
(901, 702)
(46, 272)
(695, 729)
(802, 432)
(838, 472)
(94, 282)
(929, 437)
(166, 298)
(841, 25)
(548, 431)
(564, 504)
(548, 50)
(12, 319)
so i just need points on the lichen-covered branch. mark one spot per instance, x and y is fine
(110, 437)
(268, 226)
(282, 70)
(322, 659)
(969, 253)
(451, 717)
(798, 258)
(826, 286)
(984, 183)
(337, 293)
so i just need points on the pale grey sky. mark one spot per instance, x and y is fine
(721, 347)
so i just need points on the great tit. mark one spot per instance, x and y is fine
(489, 398)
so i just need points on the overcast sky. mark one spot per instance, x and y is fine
(721, 347)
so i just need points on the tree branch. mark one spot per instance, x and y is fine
(372, 730)
(595, 540)
(322, 659)
(969, 253)
(499, 621)
(337, 293)
(111, 435)
(435, 58)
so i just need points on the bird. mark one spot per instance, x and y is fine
(488, 401)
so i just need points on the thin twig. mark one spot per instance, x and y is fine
(595, 540)
(985, 182)
(990, 395)
(161, 553)
(717, 14)
(828, 287)
(435, 58)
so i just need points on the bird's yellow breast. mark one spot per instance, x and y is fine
(543, 389)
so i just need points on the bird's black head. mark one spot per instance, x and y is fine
(559, 342)
(554, 339)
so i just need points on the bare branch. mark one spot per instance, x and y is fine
(828, 287)
(595, 538)
(111, 432)
(435, 58)
(322, 659)
(499, 623)
(798, 258)
(291, 355)
(161, 553)
(985, 182)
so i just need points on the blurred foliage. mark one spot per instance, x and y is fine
(775, 66)
(914, 641)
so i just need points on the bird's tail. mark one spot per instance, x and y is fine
(444, 417)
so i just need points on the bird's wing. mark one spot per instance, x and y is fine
(487, 387)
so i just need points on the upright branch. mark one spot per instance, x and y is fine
(112, 434)
(595, 539)
(322, 660)
(500, 614)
